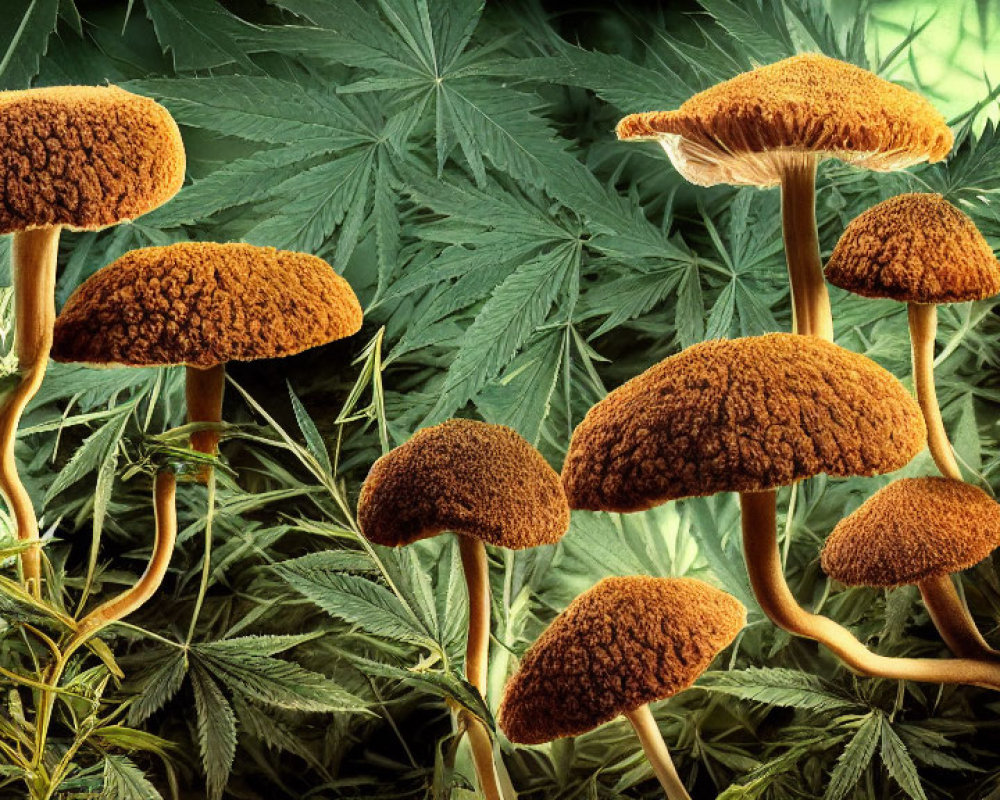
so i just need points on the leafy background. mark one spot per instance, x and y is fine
(457, 164)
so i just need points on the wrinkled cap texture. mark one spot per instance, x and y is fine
(916, 248)
(84, 157)
(204, 304)
(624, 643)
(468, 477)
(912, 529)
(737, 415)
(739, 131)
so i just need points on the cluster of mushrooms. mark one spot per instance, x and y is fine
(747, 415)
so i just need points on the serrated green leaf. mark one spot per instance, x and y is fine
(24, 39)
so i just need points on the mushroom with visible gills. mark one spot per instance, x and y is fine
(751, 415)
(920, 531)
(774, 124)
(487, 485)
(921, 250)
(199, 305)
(76, 157)
(621, 645)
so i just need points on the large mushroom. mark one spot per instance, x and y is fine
(771, 126)
(751, 415)
(487, 485)
(920, 531)
(77, 157)
(199, 305)
(921, 250)
(623, 644)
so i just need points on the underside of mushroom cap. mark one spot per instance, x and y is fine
(737, 415)
(204, 304)
(912, 529)
(84, 157)
(465, 476)
(739, 131)
(916, 248)
(624, 643)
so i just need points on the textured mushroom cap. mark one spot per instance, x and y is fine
(912, 529)
(740, 415)
(624, 643)
(204, 304)
(738, 131)
(468, 477)
(85, 157)
(917, 248)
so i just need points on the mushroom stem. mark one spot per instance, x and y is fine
(165, 515)
(33, 273)
(760, 548)
(952, 618)
(656, 752)
(923, 331)
(204, 389)
(810, 299)
(477, 580)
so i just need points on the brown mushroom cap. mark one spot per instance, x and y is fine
(804, 104)
(740, 415)
(468, 477)
(85, 157)
(917, 248)
(912, 529)
(624, 643)
(204, 304)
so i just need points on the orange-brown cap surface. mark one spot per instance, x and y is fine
(85, 157)
(624, 643)
(917, 248)
(740, 415)
(912, 529)
(736, 131)
(468, 477)
(204, 304)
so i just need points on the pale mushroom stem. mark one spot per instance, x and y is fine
(477, 580)
(657, 753)
(204, 390)
(952, 618)
(33, 274)
(760, 547)
(165, 516)
(810, 300)
(923, 331)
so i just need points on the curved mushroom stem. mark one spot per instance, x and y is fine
(656, 752)
(952, 619)
(476, 566)
(760, 547)
(923, 330)
(165, 515)
(204, 390)
(810, 300)
(33, 273)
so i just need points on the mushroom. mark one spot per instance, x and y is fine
(489, 486)
(199, 305)
(621, 645)
(772, 125)
(919, 531)
(921, 250)
(751, 415)
(77, 157)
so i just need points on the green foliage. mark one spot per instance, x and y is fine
(456, 163)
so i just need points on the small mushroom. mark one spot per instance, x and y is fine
(751, 415)
(487, 485)
(198, 305)
(921, 250)
(77, 157)
(623, 644)
(772, 125)
(919, 531)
